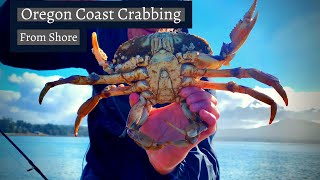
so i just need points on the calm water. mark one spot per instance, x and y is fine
(61, 158)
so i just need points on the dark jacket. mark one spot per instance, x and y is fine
(109, 157)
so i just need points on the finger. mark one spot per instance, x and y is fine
(201, 96)
(205, 105)
(133, 99)
(208, 117)
(185, 92)
(211, 120)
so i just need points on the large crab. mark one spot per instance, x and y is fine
(158, 65)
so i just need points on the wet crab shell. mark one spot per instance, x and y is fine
(141, 46)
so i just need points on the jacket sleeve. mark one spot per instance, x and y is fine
(37, 61)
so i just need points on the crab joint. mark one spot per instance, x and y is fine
(138, 74)
(132, 63)
(142, 86)
(187, 70)
(186, 81)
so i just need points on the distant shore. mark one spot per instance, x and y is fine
(266, 140)
(25, 134)
(39, 134)
(22, 128)
(217, 139)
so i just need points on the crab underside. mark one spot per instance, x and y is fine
(157, 66)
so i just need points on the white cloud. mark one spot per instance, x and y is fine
(252, 123)
(14, 109)
(298, 101)
(9, 96)
(59, 106)
(15, 79)
(62, 102)
(242, 111)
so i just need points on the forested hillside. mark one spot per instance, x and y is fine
(9, 125)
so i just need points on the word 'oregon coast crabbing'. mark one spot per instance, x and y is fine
(117, 14)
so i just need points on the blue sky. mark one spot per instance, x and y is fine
(284, 43)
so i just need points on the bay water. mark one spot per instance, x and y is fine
(63, 158)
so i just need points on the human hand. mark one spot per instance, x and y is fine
(167, 158)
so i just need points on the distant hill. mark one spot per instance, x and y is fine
(283, 131)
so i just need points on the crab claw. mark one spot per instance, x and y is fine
(239, 33)
(98, 53)
(101, 56)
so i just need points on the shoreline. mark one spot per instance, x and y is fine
(25, 134)
(216, 140)
(39, 134)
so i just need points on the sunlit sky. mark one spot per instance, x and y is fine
(284, 43)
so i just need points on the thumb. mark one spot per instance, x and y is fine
(133, 99)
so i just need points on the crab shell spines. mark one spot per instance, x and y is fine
(141, 46)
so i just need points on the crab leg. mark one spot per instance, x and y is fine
(192, 131)
(137, 116)
(188, 139)
(109, 91)
(138, 74)
(145, 141)
(196, 124)
(268, 79)
(233, 87)
(91, 103)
